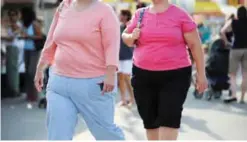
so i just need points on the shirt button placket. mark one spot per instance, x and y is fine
(156, 20)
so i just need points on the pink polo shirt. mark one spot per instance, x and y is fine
(82, 44)
(161, 45)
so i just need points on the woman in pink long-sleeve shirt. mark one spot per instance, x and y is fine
(83, 49)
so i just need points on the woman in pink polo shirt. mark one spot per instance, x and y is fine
(162, 65)
(83, 48)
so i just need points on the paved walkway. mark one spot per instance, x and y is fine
(202, 120)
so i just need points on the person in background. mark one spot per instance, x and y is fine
(238, 53)
(162, 66)
(204, 32)
(4, 34)
(31, 31)
(125, 64)
(83, 55)
(12, 54)
(140, 5)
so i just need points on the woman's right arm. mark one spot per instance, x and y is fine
(128, 38)
(131, 33)
(226, 28)
(49, 49)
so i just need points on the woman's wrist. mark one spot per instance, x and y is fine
(201, 71)
(200, 67)
(41, 67)
(111, 70)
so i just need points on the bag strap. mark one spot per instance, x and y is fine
(141, 17)
(60, 7)
(140, 20)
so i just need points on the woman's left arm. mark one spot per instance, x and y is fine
(110, 30)
(193, 41)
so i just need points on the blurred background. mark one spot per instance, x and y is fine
(23, 115)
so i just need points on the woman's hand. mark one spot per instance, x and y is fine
(227, 44)
(135, 34)
(201, 83)
(38, 80)
(130, 38)
(109, 82)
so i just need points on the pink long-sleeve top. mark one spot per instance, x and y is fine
(81, 44)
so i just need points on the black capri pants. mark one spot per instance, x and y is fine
(160, 95)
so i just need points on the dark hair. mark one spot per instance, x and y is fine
(231, 17)
(10, 11)
(126, 13)
(200, 25)
(28, 16)
(141, 5)
(242, 13)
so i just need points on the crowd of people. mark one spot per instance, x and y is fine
(234, 35)
(153, 64)
(20, 35)
(227, 54)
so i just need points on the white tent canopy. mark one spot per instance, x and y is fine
(228, 10)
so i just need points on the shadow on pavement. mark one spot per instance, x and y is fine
(216, 105)
(200, 125)
(23, 121)
(136, 133)
(193, 123)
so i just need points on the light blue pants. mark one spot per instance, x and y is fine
(67, 97)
